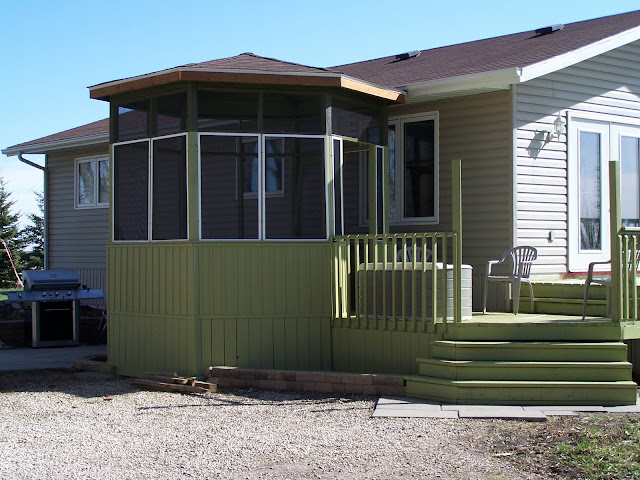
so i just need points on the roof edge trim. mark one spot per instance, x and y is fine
(45, 147)
(494, 79)
(581, 54)
(104, 90)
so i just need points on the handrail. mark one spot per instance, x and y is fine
(397, 281)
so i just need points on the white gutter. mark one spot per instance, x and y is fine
(45, 147)
(502, 79)
(579, 55)
(496, 79)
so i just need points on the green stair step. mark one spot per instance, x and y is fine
(604, 331)
(529, 351)
(564, 290)
(534, 371)
(501, 392)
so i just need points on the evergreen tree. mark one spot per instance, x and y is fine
(33, 237)
(10, 234)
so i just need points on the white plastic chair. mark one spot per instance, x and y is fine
(606, 281)
(521, 259)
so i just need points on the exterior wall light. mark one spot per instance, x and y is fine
(559, 128)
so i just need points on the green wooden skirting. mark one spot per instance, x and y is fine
(257, 304)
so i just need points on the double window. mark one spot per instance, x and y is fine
(413, 169)
(151, 199)
(282, 180)
(92, 182)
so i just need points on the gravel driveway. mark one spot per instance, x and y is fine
(60, 424)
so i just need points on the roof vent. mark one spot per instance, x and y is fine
(405, 56)
(551, 29)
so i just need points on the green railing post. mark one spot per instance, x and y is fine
(615, 224)
(456, 220)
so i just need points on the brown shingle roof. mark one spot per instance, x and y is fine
(94, 129)
(508, 51)
(253, 62)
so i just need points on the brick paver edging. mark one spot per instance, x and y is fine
(325, 382)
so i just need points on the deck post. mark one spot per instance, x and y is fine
(456, 221)
(615, 225)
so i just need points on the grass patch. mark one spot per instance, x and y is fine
(609, 448)
(593, 447)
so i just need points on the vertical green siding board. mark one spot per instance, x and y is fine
(230, 349)
(279, 344)
(217, 341)
(315, 344)
(325, 325)
(291, 343)
(266, 332)
(255, 343)
(244, 360)
(303, 343)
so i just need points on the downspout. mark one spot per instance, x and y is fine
(45, 209)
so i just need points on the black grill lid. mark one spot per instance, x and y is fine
(50, 280)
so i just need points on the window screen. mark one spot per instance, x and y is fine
(131, 197)
(169, 214)
(229, 204)
(300, 212)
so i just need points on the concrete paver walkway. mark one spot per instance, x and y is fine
(412, 408)
(16, 359)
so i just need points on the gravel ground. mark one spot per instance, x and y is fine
(60, 424)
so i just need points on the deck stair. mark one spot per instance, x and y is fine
(510, 372)
(565, 298)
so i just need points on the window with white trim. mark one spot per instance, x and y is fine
(92, 182)
(413, 169)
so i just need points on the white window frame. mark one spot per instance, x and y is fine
(399, 122)
(95, 160)
(267, 193)
(149, 141)
(262, 195)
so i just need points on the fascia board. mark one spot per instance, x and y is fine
(180, 70)
(495, 79)
(568, 59)
(46, 147)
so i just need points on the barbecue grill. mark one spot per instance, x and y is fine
(54, 297)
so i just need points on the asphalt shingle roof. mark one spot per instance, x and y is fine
(516, 50)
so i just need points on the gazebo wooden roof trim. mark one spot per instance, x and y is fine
(185, 74)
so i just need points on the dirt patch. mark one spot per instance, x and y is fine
(586, 446)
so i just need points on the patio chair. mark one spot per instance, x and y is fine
(606, 281)
(521, 259)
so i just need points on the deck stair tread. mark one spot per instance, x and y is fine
(518, 392)
(535, 372)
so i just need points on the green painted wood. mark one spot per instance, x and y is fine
(279, 344)
(560, 331)
(615, 224)
(530, 351)
(525, 370)
(244, 345)
(522, 392)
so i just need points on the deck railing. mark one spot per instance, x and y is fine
(627, 292)
(397, 280)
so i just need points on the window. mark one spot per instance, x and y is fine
(150, 189)
(274, 171)
(92, 182)
(413, 169)
(283, 187)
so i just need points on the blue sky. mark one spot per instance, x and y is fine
(52, 51)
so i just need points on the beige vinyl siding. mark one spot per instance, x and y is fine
(76, 238)
(607, 86)
(476, 129)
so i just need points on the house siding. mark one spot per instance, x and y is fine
(76, 238)
(477, 130)
(607, 86)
